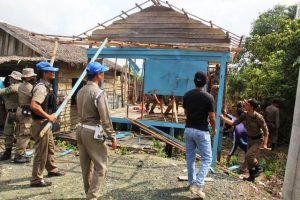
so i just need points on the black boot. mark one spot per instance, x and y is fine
(257, 171)
(6, 155)
(251, 177)
(21, 159)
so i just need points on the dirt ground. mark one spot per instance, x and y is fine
(156, 179)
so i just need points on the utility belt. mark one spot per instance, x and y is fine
(26, 110)
(99, 133)
(256, 137)
(11, 110)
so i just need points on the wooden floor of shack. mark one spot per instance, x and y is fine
(134, 112)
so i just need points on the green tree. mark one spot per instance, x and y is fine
(273, 60)
(273, 20)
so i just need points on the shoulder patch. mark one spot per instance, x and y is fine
(99, 94)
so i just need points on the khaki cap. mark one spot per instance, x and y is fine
(28, 72)
(16, 75)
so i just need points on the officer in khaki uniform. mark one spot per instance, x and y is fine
(94, 122)
(24, 115)
(43, 104)
(257, 136)
(10, 96)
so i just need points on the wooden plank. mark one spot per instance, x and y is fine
(166, 40)
(11, 46)
(166, 35)
(20, 49)
(160, 20)
(1, 40)
(157, 25)
(27, 51)
(160, 30)
(158, 14)
(5, 44)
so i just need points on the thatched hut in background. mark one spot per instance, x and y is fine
(20, 48)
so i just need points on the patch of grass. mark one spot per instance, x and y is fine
(65, 145)
(180, 138)
(123, 150)
(268, 174)
(233, 161)
(160, 148)
(31, 144)
(274, 165)
(156, 144)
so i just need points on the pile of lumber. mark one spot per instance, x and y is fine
(160, 135)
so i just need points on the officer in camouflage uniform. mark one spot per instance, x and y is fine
(10, 96)
(43, 105)
(93, 114)
(24, 115)
(257, 136)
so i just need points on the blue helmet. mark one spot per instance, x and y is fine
(45, 66)
(95, 68)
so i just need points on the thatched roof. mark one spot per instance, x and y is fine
(163, 25)
(6, 59)
(66, 52)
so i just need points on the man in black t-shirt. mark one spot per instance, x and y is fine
(198, 106)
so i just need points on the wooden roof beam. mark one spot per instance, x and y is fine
(170, 6)
(123, 12)
(138, 6)
(185, 13)
(101, 25)
(156, 2)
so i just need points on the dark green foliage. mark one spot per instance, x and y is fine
(271, 62)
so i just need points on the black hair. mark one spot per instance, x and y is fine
(253, 103)
(90, 77)
(200, 79)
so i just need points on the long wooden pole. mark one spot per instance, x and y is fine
(114, 92)
(128, 90)
(64, 103)
(143, 96)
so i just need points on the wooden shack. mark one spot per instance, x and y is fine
(20, 48)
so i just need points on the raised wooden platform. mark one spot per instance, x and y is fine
(135, 113)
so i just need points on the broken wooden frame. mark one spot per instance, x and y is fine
(221, 57)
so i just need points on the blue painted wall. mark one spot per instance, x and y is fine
(171, 77)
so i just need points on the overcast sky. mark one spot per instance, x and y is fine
(71, 17)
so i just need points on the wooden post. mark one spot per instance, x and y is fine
(114, 92)
(125, 83)
(54, 53)
(174, 111)
(55, 83)
(128, 91)
(143, 96)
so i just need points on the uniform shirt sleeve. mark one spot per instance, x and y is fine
(8, 90)
(263, 125)
(39, 94)
(105, 116)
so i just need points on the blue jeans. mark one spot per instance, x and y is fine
(201, 140)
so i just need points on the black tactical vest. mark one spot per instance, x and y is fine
(49, 104)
